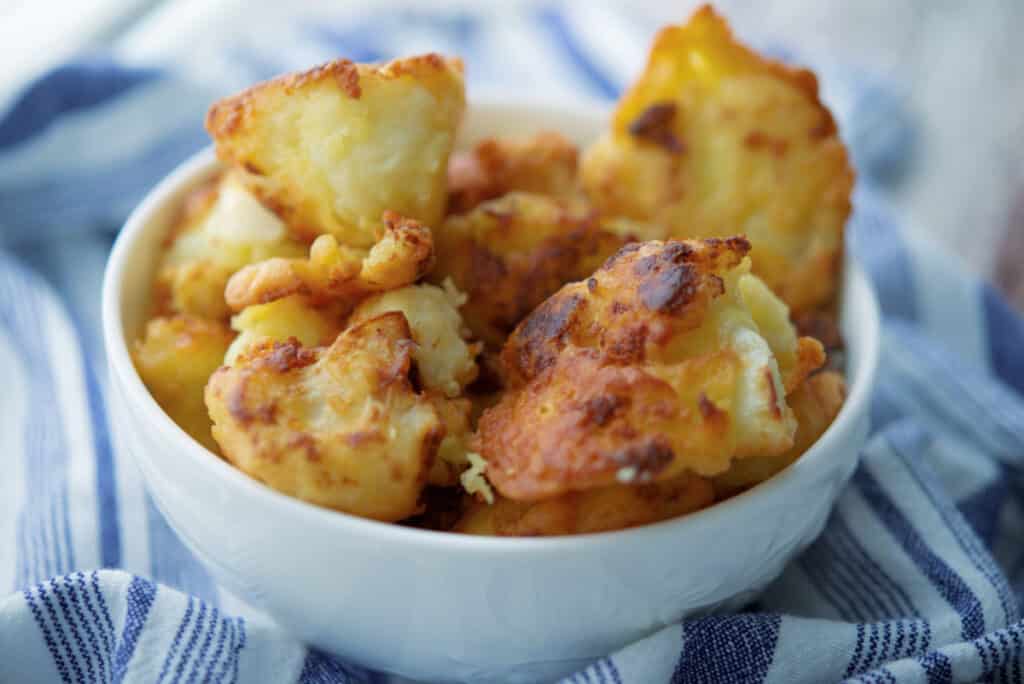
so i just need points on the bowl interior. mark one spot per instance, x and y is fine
(126, 303)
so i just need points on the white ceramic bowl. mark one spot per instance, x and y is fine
(442, 607)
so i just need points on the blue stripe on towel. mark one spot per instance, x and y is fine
(139, 599)
(575, 54)
(44, 522)
(87, 626)
(104, 642)
(65, 91)
(730, 648)
(879, 581)
(51, 644)
(186, 652)
(109, 639)
(215, 659)
(937, 668)
(981, 510)
(1005, 333)
(318, 668)
(176, 641)
(107, 507)
(61, 591)
(199, 666)
(58, 629)
(946, 581)
(911, 446)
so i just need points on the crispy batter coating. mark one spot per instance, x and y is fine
(453, 453)
(714, 140)
(509, 254)
(221, 229)
(678, 376)
(341, 427)
(403, 253)
(544, 164)
(815, 403)
(175, 358)
(597, 510)
(294, 316)
(330, 149)
(446, 362)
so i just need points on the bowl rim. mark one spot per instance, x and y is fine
(123, 372)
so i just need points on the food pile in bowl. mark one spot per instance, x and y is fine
(522, 338)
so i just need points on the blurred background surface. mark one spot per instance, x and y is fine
(952, 167)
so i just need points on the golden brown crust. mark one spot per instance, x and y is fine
(810, 357)
(558, 434)
(714, 139)
(341, 427)
(601, 510)
(329, 149)
(220, 229)
(652, 367)
(333, 273)
(175, 357)
(510, 253)
(544, 164)
(225, 115)
(638, 302)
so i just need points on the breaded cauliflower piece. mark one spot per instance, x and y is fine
(222, 228)
(175, 357)
(332, 148)
(509, 254)
(453, 453)
(403, 253)
(815, 403)
(340, 427)
(544, 164)
(797, 356)
(596, 510)
(292, 316)
(652, 367)
(715, 140)
(446, 362)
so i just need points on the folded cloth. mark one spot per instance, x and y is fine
(918, 576)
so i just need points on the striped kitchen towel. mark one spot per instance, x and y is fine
(918, 577)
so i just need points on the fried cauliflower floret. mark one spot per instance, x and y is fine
(797, 356)
(403, 253)
(652, 367)
(340, 427)
(222, 228)
(509, 254)
(446, 362)
(597, 510)
(815, 403)
(714, 140)
(453, 454)
(544, 164)
(293, 316)
(175, 357)
(330, 149)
